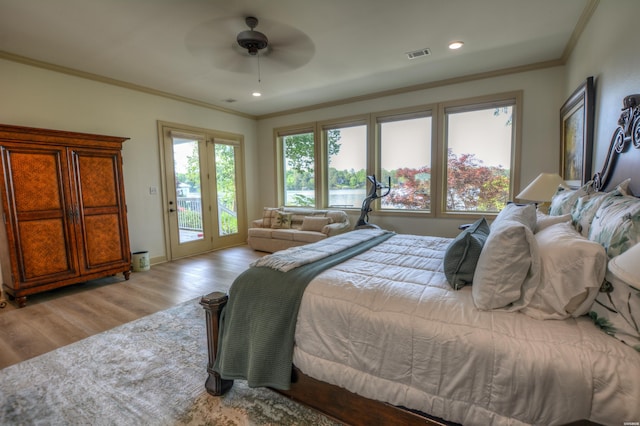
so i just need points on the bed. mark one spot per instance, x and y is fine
(379, 328)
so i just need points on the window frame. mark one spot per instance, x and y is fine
(430, 110)
(279, 134)
(473, 104)
(437, 111)
(323, 127)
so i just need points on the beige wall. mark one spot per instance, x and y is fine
(608, 51)
(39, 98)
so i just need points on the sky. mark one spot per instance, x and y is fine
(470, 132)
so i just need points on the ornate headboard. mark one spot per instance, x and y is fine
(625, 139)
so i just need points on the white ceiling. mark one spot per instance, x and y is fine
(323, 50)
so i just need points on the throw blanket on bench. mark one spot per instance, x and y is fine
(257, 325)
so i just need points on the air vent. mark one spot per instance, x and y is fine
(418, 53)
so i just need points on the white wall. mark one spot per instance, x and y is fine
(36, 97)
(609, 51)
(542, 97)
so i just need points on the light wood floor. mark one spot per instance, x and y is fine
(63, 316)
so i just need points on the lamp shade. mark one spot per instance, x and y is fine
(542, 188)
(626, 267)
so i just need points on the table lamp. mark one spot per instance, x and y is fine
(541, 190)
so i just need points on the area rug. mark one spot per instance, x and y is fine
(147, 372)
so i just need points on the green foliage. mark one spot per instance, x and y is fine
(299, 150)
(229, 223)
(192, 176)
(303, 201)
(226, 175)
(347, 179)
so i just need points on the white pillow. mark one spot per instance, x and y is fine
(544, 220)
(523, 213)
(315, 223)
(573, 269)
(508, 270)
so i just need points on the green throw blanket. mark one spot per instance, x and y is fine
(258, 323)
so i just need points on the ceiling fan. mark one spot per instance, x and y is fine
(252, 40)
(285, 49)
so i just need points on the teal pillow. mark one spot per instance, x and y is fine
(461, 257)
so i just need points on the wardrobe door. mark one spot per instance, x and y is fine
(102, 222)
(37, 207)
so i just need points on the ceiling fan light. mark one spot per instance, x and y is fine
(456, 45)
(252, 40)
(256, 94)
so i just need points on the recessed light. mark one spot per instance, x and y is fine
(456, 45)
(256, 94)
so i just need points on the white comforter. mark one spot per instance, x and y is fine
(387, 325)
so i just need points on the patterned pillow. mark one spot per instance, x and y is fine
(267, 216)
(564, 199)
(616, 224)
(585, 209)
(281, 220)
(461, 257)
(587, 206)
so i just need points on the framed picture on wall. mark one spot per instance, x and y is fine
(576, 135)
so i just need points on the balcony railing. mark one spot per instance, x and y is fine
(190, 216)
(190, 213)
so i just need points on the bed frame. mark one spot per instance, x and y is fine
(352, 409)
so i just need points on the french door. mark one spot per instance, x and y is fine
(203, 192)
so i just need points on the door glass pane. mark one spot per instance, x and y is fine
(299, 169)
(186, 165)
(405, 156)
(226, 189)
(347, 155)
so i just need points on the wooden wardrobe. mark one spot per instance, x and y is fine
(63, 210)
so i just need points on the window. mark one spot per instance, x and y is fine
(346, 148)
(479, 145)
(298, 168)
(405, 157)
(444, 159)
